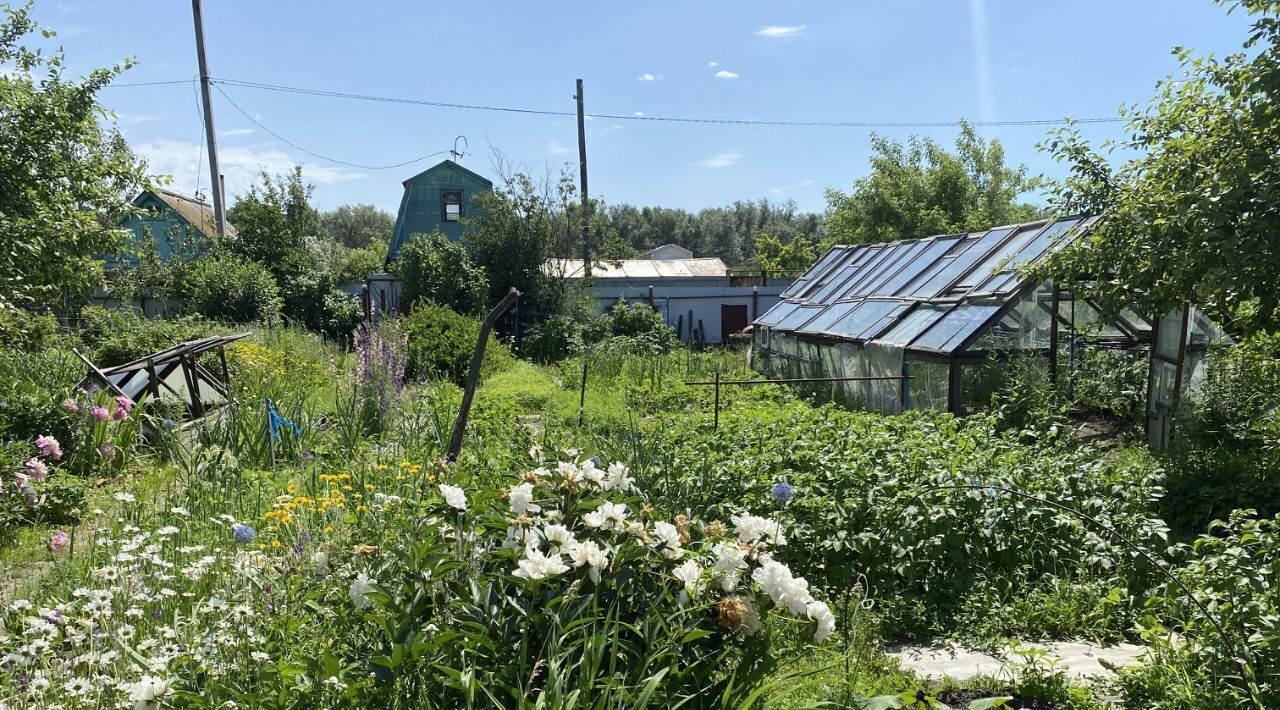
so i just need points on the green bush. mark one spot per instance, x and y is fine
(26, 330)
(553, 339)
(442, 342)
(437, 270)
(228, 288)
(313, 300)
(119, 335)
(34, 383)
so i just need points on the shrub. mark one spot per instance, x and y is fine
(437, 270)
(229, 288)
(553, 339)
(120, 335)
(313, 300)
(26, 330)
(442, 342)
(33, 383)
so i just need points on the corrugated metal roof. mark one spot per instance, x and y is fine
(706, 267)
(197, 212)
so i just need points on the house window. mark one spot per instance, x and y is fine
(451, 205)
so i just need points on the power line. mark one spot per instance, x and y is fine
(314, 154)
(149, 83)
(667, 119)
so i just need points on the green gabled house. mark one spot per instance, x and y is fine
(440, 197)
(182, 227)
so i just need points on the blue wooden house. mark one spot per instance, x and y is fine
(182, 227)
(440, 197)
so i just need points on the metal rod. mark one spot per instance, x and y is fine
(794, 380)
(582, 169)
(716, 424)
(473, 377)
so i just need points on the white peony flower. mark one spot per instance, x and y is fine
(730, 564)
(690, 573)
(521, 498)
(453, 496)
(591, 473)
(359, 591)
(569, 471)
(667, 540)
(588, 554)
(148, 692)
(618, 478)
(821, 613)
(757, 530)
(608, 516)
(536, 565)
(558, 535)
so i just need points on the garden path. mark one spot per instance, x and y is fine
(1079, 660)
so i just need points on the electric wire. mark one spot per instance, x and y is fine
(314, 154)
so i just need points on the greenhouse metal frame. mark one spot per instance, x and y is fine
(930, 309)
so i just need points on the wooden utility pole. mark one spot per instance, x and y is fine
(582, 170)
(211, 136)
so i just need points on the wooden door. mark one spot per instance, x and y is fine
(732, 320)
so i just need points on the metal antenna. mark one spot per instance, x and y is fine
(455, 153)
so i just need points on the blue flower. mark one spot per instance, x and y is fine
(168, 424)
(782, 492)
(243, 534)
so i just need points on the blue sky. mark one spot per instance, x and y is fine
(835, 61)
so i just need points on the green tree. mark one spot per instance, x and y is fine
(1194, 214)
(920, 189)
(231, 288)
(519, 227)
(274, 221)
(796, 255)
(64, 178)
(438, 270)
(357, 226)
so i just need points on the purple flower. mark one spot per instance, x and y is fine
(782, 492)
(49, 446)
(37, 469)
(243, 534)
(99, 413)
(168, 424)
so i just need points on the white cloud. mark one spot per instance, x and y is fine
(720, 160)
(236, 132)
(555, 147)
(184, 161)
(639, 114)
(722, 74)
(129, 119)
(648, 77)
(713, 64)
(780, 31)
(806, 182)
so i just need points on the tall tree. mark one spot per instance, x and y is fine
(64, 178)
(357, 226)
(1197, 213)
(921, 189)
(273, 222)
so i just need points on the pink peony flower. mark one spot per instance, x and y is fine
(120, 413)
(59, 541)
(100, 413)
(69, 406)
(21, 478)
(124, 403)
(36, 469)
(49, 446)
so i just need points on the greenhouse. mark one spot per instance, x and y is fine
(922, 321)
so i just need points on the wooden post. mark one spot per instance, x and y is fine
(582, 170)
(473, 377)
(211, 136)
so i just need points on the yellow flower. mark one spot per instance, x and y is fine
(293, 488)
(275, 543)
(381, 467)
(328, 528)
(361, 508)
(368, 486)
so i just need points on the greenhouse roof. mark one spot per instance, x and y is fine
(932, 295)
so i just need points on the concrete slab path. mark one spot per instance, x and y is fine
(1080, 660)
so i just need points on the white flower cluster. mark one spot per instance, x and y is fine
(552, 547)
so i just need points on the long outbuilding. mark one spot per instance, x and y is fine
(927, 317)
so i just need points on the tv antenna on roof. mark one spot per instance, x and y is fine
(455, 153)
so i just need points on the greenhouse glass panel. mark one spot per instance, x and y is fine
(1026, 326)
(833, 313)
(822, 279)
(780, 310)
(864, 315)
(798, 317)
(1088, 320)
(914, 324)
(818, 290)
(820, 268)
(1169, 340)
(896, 258)
(960, 264)
(847, 275)
(1044, 240)
(925, 261)
(928, 385)
(948, 333)
(911, 263)
(993, 260)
